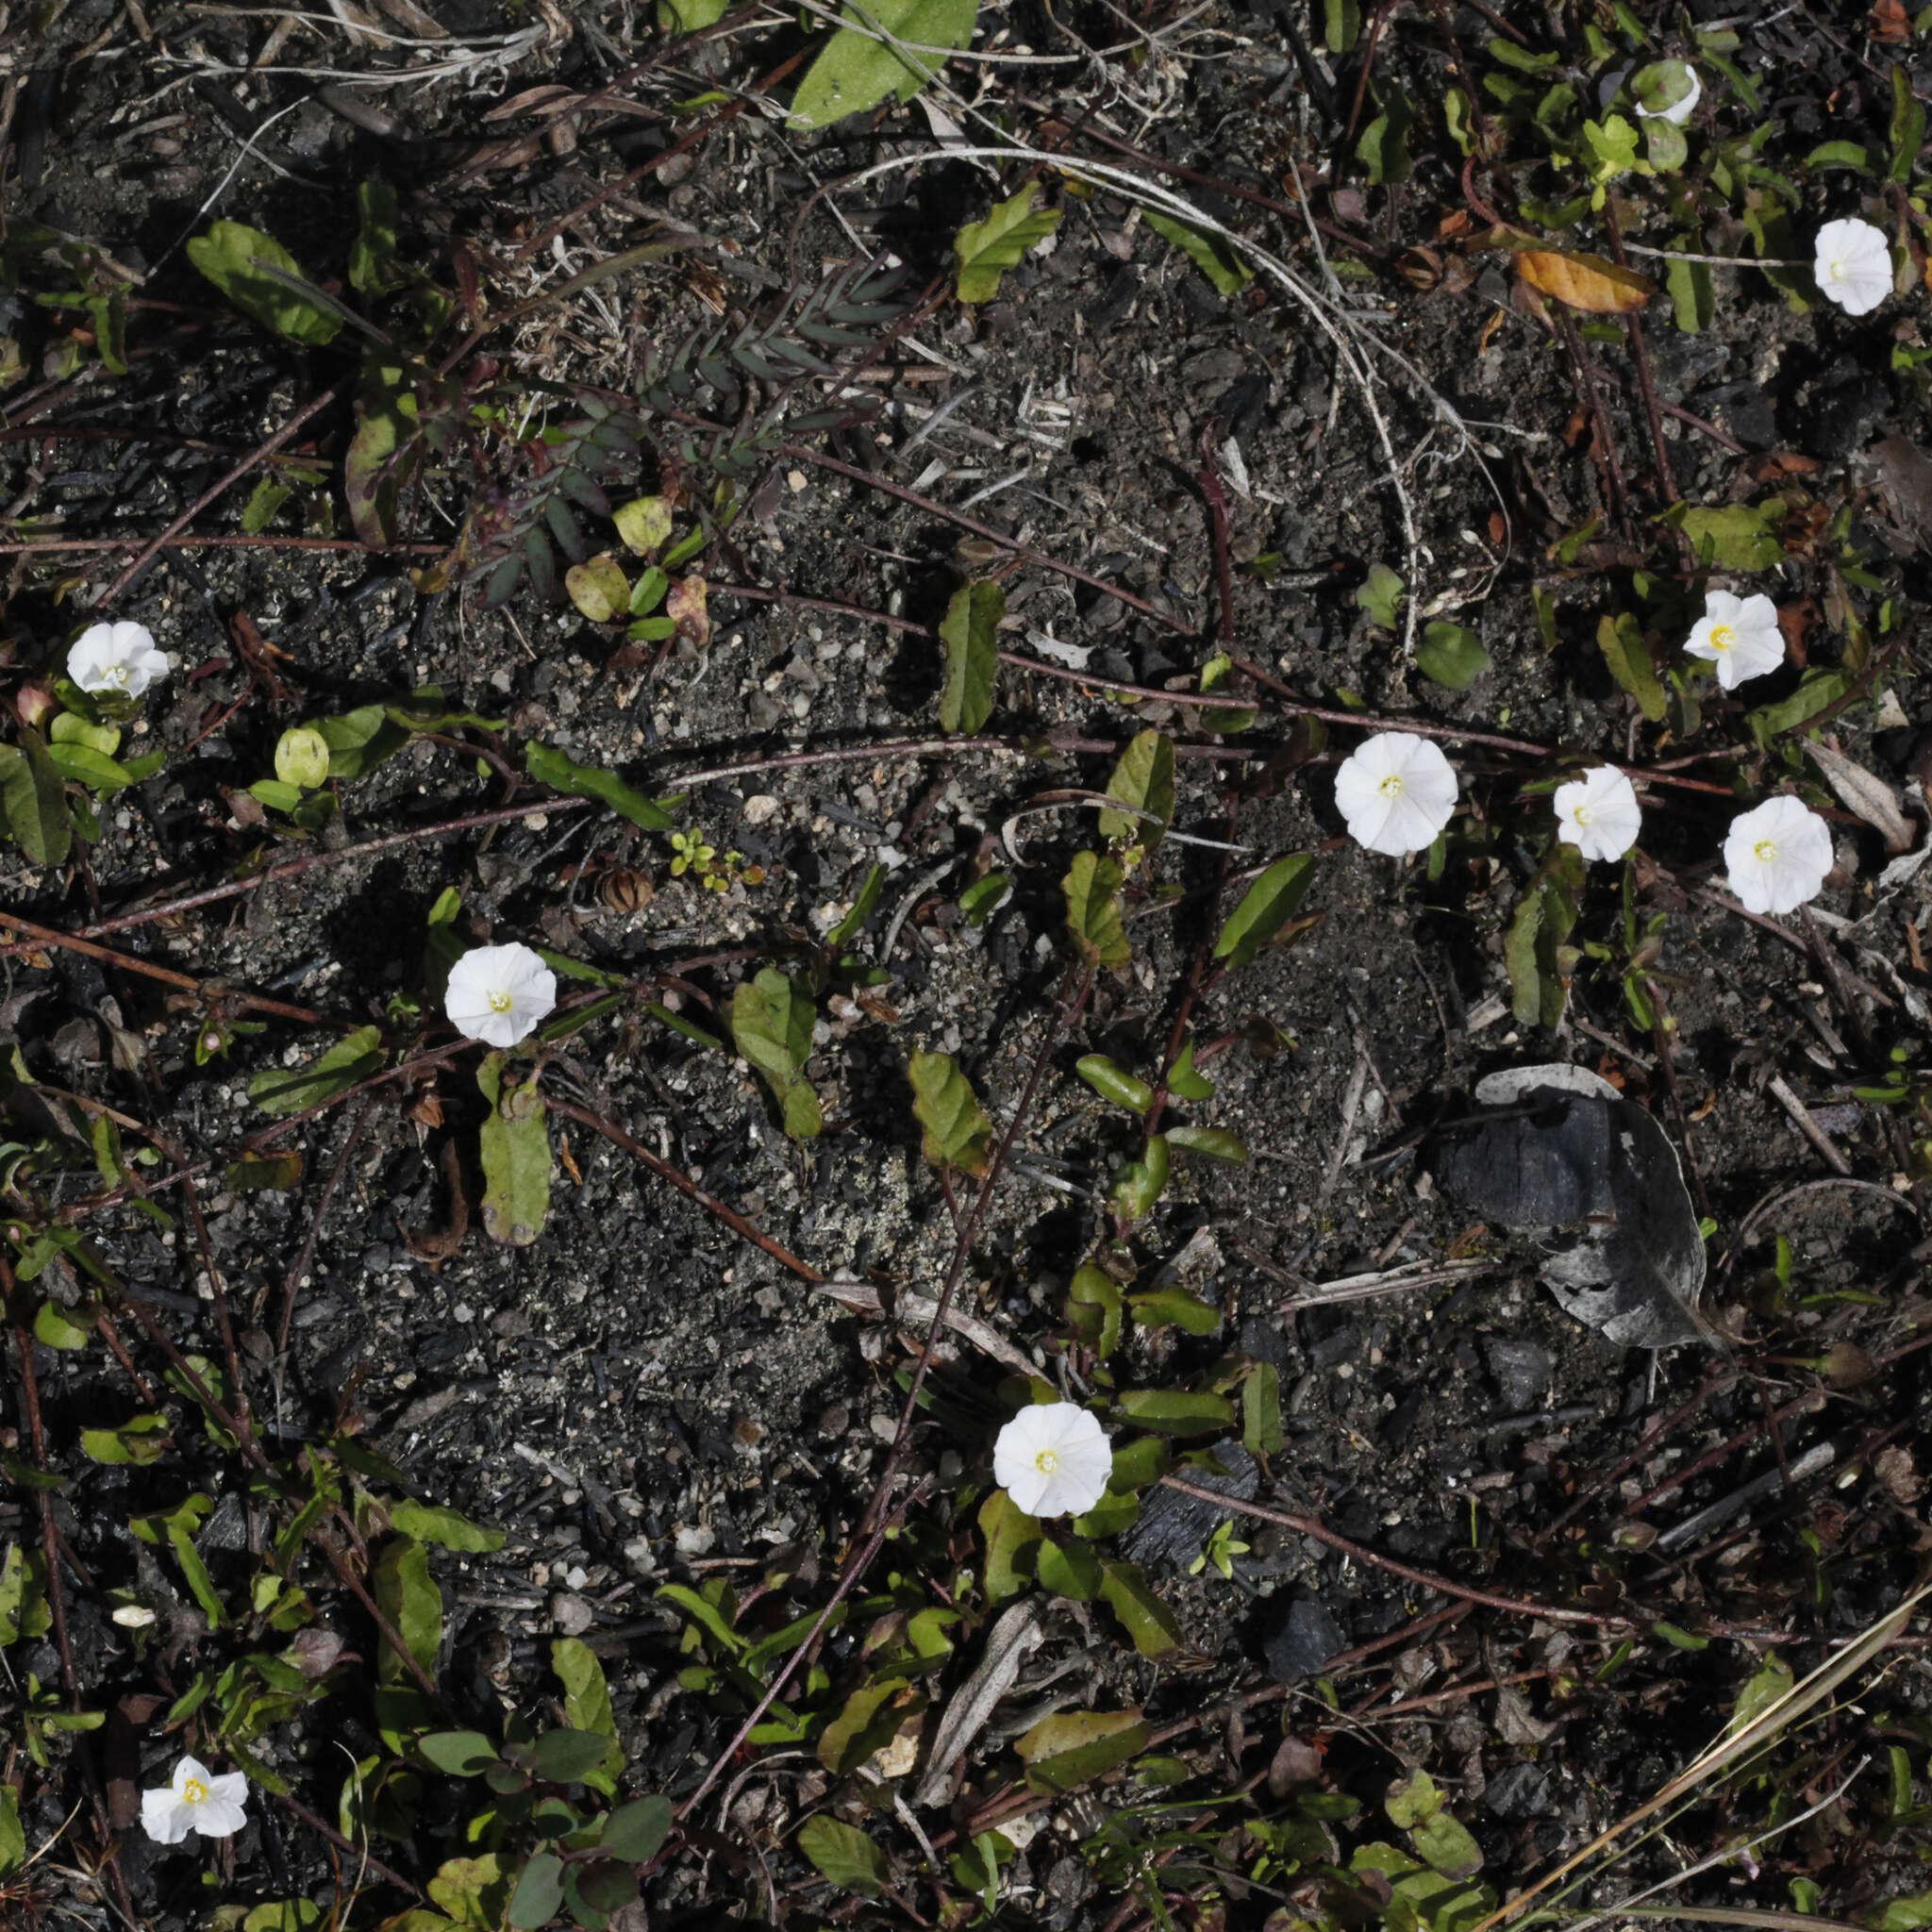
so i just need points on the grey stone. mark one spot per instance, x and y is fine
(1308, 1637)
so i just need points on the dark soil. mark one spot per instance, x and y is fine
(641, 1396)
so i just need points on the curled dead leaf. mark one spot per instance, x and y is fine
(1585, 281)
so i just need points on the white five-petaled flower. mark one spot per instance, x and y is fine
(1598, 813)
(1852, 266)
(1053, 1460)
(1777, 855)
(1664, 75)
(1739, 635)
(499, 994)
(1396, 791)
(117, 659)
(194, 1799)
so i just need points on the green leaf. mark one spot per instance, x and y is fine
(1069, 1568)
(1261, 1411)
(1451, 656)
(984, 897)
(599, 589)
(1818, 689)
(1072, 1747)
(1092, 887)
(1142, 779)
(869, 1719)
(360, 740)
(853, 924)
(1184, 1083)
(1736, 537)
(644, 525)
(462, 1754)
(372, 254)
(771, 1020)
(1906, 136)
(514, 1143)
(285, 1915)
(1113, 1082)
(845, 1855)
(1268, 904)
(295, 1090)
(264, 500)
(1174, 1307)
(691, 16)
(382, 452)
(474, 1891)
(1342, 25)
(1693, 301)
(1128, 1593)
(587, 1706)
(634, 1832)
(1216, 1144)
(969, 631)
(1210, 253)
(565, 1756)
(705, 1615)
(13, 1837)
(1770, 1681)
(539, 1892)
(1140, 1183)
(987, 249)
(1843, 154)
(406, 1595)
(1380, 597)
(1447, 1846)
(141, 1439)
(1677, 1639)
(956, 1132)
(302, 758)
(1537, 950)
(54, 1327)
(429, 1523)
(34, 801)
(227, 255)
(1174, 1411)
(1094, 1308)
(855, 70)
(1383, 145)
(564, 775)
(1900, 1914)
(1620, 641)
(1009, 1534)
(1411, 1801)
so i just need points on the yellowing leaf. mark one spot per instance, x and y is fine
(987, 249)
(1585, 281)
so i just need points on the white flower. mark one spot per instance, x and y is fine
(1777, 855)
(1852, 266)
(1396, 791)
(120, 660)
(1598, 813)
(1657, 82)
(194, 1800)
(1053, 1460)
(1739, 635)
(499, 994)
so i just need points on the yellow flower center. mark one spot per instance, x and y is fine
(499, 1001)
(193, 1792)
(1765, 852)
(1722, 637)
(1580, 813)
(1390, 787)
(1047, 1461)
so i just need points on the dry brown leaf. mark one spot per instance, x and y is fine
(1585, 281)
(1890, 23)
(1867, 795)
